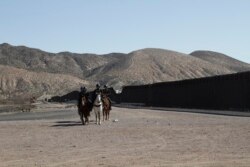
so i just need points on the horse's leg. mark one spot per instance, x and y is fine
(87, 120)
(99, 117)
(106, 111)
(103, 114)
(81, 117)
(108, 114)
(87, 117)
(96, 116)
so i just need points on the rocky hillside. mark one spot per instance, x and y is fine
(221, 60)
(16, 82)
(33, 71)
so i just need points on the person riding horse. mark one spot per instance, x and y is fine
(84, 105)
(82, 92)
(106, 92)
(92, 95)
(97, 90)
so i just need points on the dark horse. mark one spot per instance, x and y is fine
(106, 106)
(84, 108)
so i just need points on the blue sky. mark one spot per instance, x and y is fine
(104, 26)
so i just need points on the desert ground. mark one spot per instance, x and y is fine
(139, 137)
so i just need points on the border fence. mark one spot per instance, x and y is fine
(224, 92)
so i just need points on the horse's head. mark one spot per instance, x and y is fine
(98, 99)
(104, 96)
(84, 100)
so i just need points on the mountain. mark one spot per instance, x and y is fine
(38, 60)
(33, 71)
(156, 65)
(16, 82)
(222, 60)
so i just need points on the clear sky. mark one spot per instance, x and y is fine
(104, 26)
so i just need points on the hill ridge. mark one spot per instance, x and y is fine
(143, 66)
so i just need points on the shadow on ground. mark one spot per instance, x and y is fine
(68, 123)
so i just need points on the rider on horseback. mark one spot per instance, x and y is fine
(82, 92)
(97, 90)
(92, 95)
(84, 105)
(106, 92)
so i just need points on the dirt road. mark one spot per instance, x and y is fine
(141, 137)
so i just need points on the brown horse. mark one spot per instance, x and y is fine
(84, 108)
(106, 107)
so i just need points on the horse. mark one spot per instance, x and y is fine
(98, 108)
(106, 107)
(84, 108)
